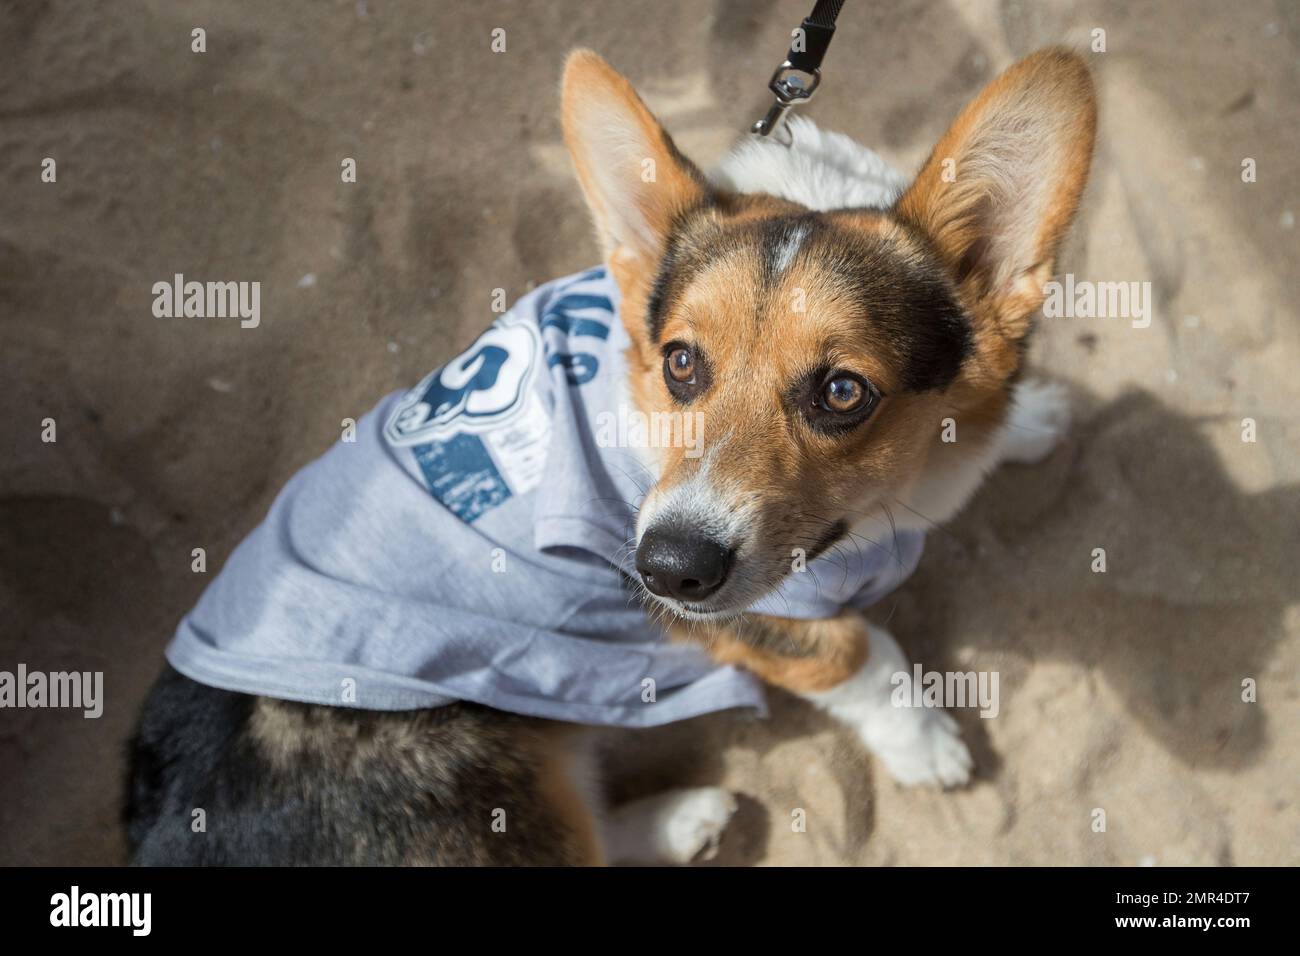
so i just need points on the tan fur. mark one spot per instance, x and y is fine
(801, 656)
(558, 788)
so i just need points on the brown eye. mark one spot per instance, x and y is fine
(843, 393)
(834, 401)
(679, 365)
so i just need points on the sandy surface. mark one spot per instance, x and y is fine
(1120, 691)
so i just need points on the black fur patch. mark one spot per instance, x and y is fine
(680, 264)
(909, 298)
(833, 534)
(775, 234)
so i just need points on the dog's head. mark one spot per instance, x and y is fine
(821, 351)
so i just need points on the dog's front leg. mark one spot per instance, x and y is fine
(918, 745)
(845, 666)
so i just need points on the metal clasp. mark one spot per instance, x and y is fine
(791, 87)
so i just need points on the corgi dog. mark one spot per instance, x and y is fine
(833, 326)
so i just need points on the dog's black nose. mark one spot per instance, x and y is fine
(681, 564)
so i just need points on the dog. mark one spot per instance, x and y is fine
(852, 346)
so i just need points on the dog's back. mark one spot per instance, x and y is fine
(219, 778)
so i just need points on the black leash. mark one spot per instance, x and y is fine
(797, 79)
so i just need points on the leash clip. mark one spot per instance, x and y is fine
(797, 78)
(791, 88)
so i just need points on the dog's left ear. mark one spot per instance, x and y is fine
(998, 193)
(635, 180)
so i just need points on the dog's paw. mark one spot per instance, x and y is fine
(934, 755)
(674, 827)
(694, 826)
(1040, 417)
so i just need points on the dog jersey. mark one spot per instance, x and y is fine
(473, 541)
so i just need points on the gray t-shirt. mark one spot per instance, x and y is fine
(471, 544)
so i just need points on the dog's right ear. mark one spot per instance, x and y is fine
(635, 180)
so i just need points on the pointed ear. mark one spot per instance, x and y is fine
(635, 181)
(998, 193)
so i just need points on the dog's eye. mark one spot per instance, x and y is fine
(679, 366)
(687, 372)
(834, 401)
(843, 393)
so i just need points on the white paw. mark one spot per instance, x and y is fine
(1040, 416)
(934, 754)
(673, 827)
(696, 822)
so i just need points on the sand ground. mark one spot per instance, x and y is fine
(1120, 691)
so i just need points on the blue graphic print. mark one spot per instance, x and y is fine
(482, 364)
(461, 474)
(560, 317)
(444, 419)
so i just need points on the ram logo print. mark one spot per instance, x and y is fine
(481, 388)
